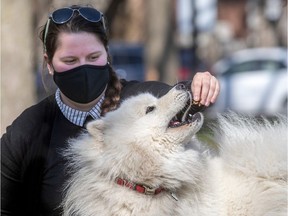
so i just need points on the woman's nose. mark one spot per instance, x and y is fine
(82, 62)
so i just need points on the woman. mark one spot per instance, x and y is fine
(76, 52)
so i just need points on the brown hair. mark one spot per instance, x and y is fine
(79, 24)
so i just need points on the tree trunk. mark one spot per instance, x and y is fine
(160, 49)
(17, 75)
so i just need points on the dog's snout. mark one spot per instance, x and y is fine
(181, 86)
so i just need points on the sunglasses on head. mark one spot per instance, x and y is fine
(63, 15)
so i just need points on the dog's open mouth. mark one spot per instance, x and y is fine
(187, 115)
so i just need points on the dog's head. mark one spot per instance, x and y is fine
(145, 118)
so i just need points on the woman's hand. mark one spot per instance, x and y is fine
(205, 88)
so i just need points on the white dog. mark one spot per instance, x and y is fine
(143, 159)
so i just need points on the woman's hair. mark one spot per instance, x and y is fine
(78, 24)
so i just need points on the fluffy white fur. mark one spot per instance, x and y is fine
(248, 177)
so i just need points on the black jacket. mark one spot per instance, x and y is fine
(32, 168)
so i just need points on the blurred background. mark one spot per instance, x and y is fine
(243, 43)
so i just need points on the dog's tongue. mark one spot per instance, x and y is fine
(174, 122)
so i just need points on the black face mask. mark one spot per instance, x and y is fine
(83, 84)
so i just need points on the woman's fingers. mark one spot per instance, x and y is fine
(205, 88)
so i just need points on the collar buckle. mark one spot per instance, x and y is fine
(148, 190)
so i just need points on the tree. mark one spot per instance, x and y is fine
(17, 80)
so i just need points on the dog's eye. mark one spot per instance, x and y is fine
(150, 109)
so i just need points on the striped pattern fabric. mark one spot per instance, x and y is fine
(78, 117)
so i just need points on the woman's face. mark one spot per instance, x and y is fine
(76, 49)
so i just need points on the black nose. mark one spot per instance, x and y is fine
(180, 86)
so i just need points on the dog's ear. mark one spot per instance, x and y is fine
(95, 128)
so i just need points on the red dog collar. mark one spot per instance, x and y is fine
(137, 187)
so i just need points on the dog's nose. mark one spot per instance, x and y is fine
(180, 86)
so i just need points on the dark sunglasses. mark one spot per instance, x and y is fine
(63, 15)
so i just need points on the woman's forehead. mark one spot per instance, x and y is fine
(79, 41)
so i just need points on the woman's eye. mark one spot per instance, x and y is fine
(94, 58)
(150, 109)
(69, 61)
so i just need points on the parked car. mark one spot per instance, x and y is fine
(128, 60)
(253, 81)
